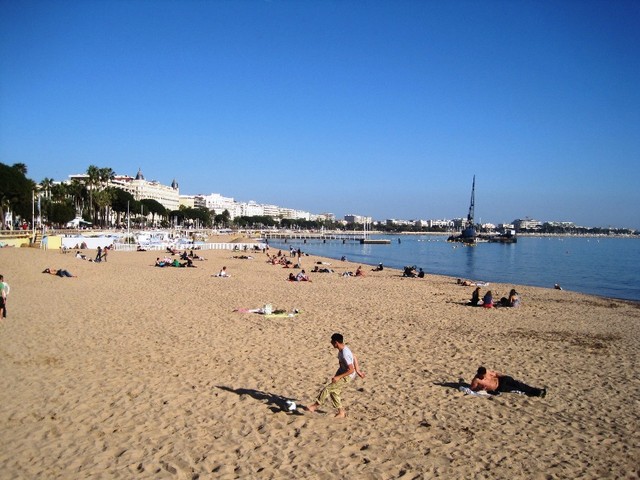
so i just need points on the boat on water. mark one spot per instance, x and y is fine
(468, 235)
(508, 237)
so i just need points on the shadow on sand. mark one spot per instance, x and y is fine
(454, 385)
(275, 403)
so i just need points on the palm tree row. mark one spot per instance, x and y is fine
(94, 198)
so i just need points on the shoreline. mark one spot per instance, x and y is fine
(337, 259)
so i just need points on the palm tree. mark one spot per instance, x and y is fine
(103, 199)
(93, 174)
(46, 185)
(21, 167)
(78, 192)
(105, 175)
(59, 192)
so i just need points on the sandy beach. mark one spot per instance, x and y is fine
(132, 371)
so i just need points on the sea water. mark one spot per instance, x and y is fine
(604, 266)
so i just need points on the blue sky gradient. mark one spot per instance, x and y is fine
(385, 109)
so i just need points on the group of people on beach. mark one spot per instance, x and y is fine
(410, 272)
(101, 255)
(167, 262)
(513, 300)
(348, 365)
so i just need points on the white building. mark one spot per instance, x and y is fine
(272, 211)
(351, 218)
(219, 204)
(527, 224)
(141, 189)
(251, 209)
(325, 216)
(446, 224)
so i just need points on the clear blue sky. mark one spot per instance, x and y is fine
(385, 109)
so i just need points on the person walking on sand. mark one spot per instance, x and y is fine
(347, 371)
(492, 381)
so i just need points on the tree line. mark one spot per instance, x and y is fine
(100, 203)
(95, 199)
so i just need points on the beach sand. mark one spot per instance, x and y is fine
(132, 371)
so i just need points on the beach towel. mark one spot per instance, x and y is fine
(280, 315)
(480, 393)
(268, 311)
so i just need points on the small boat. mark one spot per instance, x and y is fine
(507, 237)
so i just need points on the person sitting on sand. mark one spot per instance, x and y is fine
(475, 297)
(487, 300)
(302, 277)
(59, 273)
(514, 299)
(359, 272)
(160, 263)
(223, 273)
(421, 274)
(492, 382)
(557, 287)
(379, 268)
(409, 272)
(347, 370)
(80, 256)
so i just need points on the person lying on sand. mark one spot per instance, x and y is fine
(492, 382)
(59, 273)
(316, 269)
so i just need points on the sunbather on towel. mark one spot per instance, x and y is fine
(492, 381)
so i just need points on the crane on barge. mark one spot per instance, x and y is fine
(468, 235)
